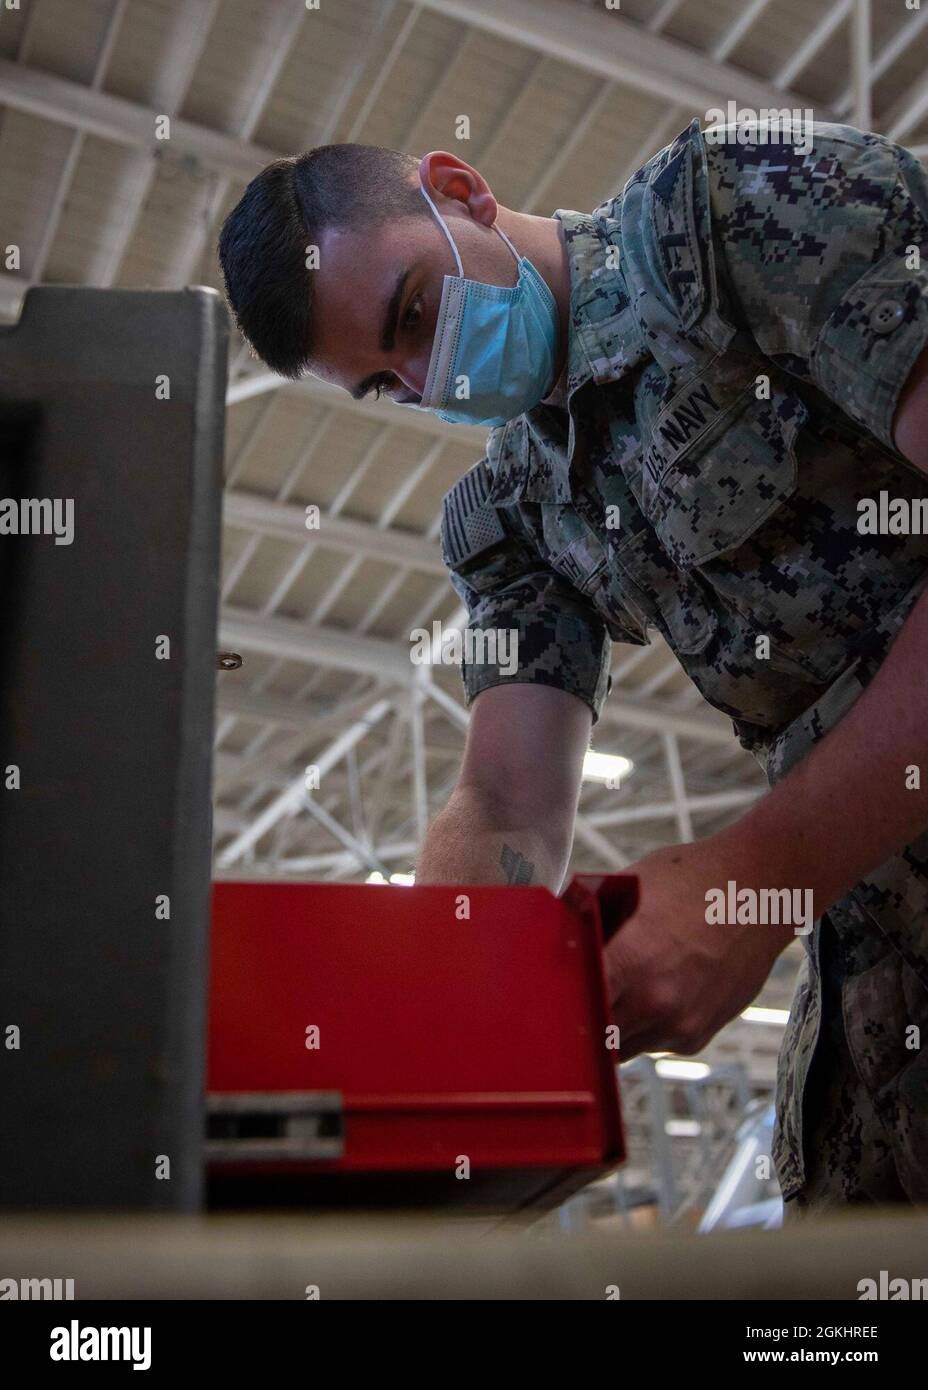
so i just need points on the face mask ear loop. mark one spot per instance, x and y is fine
(499, 231)
(442, 224)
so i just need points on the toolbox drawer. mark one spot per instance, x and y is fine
(451, 1035)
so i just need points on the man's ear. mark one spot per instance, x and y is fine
(444, 175)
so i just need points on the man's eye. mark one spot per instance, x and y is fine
(413, 316)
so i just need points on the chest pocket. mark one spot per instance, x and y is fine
(727, 510)
(625, 572)
(717, 490)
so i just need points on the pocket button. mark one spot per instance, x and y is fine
(886, 317)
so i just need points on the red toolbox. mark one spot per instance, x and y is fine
(414, 1044)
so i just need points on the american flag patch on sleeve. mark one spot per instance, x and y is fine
(469, 522)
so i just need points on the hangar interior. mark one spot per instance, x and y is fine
(563, 100)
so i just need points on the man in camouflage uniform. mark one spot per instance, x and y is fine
(741, 323)
(738, 517)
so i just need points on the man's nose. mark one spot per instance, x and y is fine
(412, 374)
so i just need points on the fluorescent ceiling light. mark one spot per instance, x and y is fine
(676, 1069)
(605, 767)
(754, 1014)
(683, 1129)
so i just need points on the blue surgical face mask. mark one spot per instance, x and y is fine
(494, 341)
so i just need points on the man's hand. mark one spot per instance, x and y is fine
(675, 980)
(848, 806)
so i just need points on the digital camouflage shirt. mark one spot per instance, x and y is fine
(742, 320)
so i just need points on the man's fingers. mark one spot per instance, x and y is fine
(631, 993)
(640, 1028)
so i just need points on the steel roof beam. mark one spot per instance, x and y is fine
(288, 522)
(614, 47)
(126, 122)
(379, 412)
(294, 796)
(325, 646)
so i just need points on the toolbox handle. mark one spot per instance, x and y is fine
(611, 898)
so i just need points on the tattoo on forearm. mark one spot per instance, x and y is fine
(515, 866)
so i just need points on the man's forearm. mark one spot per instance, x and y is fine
(468, 844)
(853, 801)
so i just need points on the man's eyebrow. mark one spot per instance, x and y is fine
(391, 317)
(387, 332)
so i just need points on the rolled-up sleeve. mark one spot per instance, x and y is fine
(526, 624)
(827, 254)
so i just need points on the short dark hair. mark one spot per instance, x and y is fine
(285, 209)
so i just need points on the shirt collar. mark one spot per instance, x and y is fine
(604, 340)
(534, 453)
